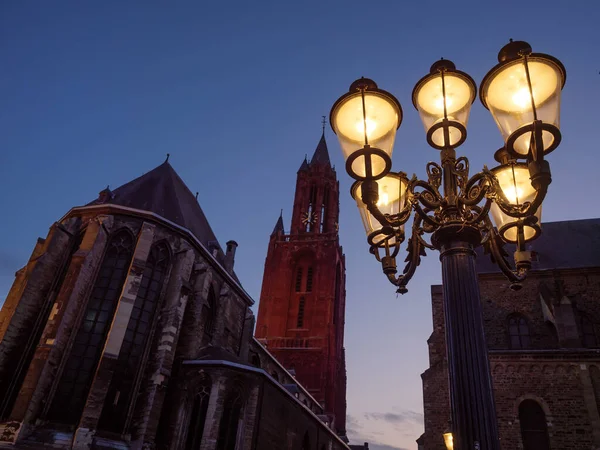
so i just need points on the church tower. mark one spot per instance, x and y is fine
(302, 303)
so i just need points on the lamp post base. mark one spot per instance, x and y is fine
(474, 424)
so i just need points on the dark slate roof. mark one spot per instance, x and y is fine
(562, 245)
(278, 226)
(163, 192)
(321, 155)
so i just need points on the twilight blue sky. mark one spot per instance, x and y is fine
(96, 93)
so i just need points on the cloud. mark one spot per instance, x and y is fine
(358, 435)
(384, 447)
(396, 418)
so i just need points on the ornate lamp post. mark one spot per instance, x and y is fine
(460, 213)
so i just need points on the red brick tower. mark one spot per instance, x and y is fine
(302, 303)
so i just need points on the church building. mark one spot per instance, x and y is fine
(302, 303)
(129, 329)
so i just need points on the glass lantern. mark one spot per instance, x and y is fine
(443, 99)
(516, 186)
(392, 198)
(365, 121)
(525, 87)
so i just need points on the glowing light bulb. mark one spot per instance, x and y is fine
(371, 125)
(439, 102)
(384, 199)
(522, 98)
(513, 194)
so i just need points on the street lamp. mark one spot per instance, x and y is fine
(493, 207)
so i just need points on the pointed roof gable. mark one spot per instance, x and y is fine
(164, 193)
(304, 165)
(278, 226)
(321, 155)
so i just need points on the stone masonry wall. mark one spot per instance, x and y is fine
(559, 375)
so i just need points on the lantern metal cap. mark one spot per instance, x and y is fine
(442, 64)
(363, 83)
(514, 50)
(502, 156)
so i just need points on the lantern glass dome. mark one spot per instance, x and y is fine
(445, 93)
(392, 198)
(521, 90)
(375, 125)
(516, 185)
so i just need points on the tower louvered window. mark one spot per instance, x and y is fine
(518, 331)
(309, 279)
(300, 320)
(77, 375)
(228, 428)
(121, 392)
(324, 207)
(198, 416)
(298, 279)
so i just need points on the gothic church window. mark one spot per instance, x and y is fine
(130, 362)
(230, 420)
(78, 372)
(198, 416)
(586, 331)
(18, 360)
(534, 429)
(518, 332)
(300, 321)
(209, 312)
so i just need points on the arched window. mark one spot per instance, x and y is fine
(305, 442)
(230, 420)
(198, 416)
(300, 320)
(324, 208)
(298, 279)
(209, 311)
(255, 360)
(17, 360)
(587, 332)
(275, 376)
(338, 290)
(73, 386)
(534, 430)
(518, 332)
(130, 364)
(309, 279)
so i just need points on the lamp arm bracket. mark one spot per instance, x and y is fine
(494, 246)
(526, 209)
(478, 186)
(416, 249)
